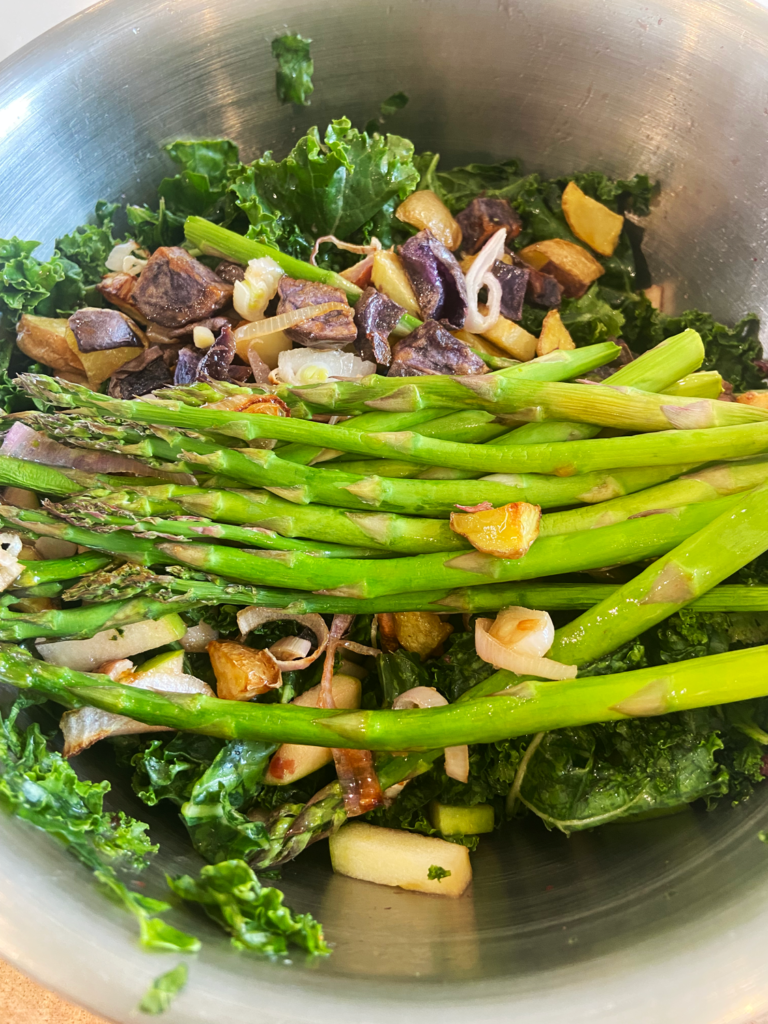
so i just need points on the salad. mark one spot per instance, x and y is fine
(351, 498)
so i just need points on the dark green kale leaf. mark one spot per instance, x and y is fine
(626, 658)
(163, 990)
(334, 186)
(459, 667)
(293, 77)
(589, 319)
(53, 287)
(213, 814)
(391, 105)
(399, 671)
(581, 778)
(458, 187)
(167, 769)
(40, 786)
(90, 245)
(254, 915)
(201, 188)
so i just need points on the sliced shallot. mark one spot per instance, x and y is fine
(479, 274)
(502, 656)
(363, 250)
(456, 758)
(290, 648)
(253, 617)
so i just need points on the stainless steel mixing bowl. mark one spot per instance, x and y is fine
(663, 922)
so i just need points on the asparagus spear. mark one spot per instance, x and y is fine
(79, 623)
(51, 570)
(103, 519)
(531, 706)
(713, 554)
(130, 581)
(705, 384)
(305, 484)
(703, 485)
(656, 370)
(623, 543)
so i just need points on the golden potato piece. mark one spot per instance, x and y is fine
(590, 221)
(506, 532)
(389, 277)
(573, 267)
(512, 339)
(294, 761)
(242, 672)
(100, 365)
(554, 335)
(421, 632)
(757, 399)
(425, 210)
(44, 339)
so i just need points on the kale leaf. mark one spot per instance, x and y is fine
(329, 186)
(436, 873)
(293, 77)
(89, 246)
(167, 769)
(254, 915)
(163, 990)
(41, 787)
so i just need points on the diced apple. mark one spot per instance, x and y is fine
(554, 335)
(242, 672)
(111, 644)
(590, 221)
(389, 856)
(293, 761)
(421, 632)
(389, 277)
(567, 262)
(506, 532)
(461, 821)
(512, 339)
(167, 663)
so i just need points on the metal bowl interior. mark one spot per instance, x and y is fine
(662, 921)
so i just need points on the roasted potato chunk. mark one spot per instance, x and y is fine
(44, 339)
(242, 672)
(389, 277)
(425, 210)
(103, 340)
(175, 289)
(421, 632)
(507, 532)
(512, 339)
(757, 399)
(573, 267)
(590, 221)
(554, 335)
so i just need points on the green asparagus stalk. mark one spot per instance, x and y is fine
(567, 458)
(655, 370)
(632, 541)
(130, 581)
(398, 394)
(703, 485)
(530, 707)
(703, 560)
(305, 484)
(51, 570)
(705, 384)
(214, 240)
(103, 519)
(80, 623)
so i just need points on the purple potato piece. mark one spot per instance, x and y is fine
(186, 367)
(216, 363)
(542, 289)
(337, 327)
(433, 349)
(174, 289)
(97, 330)
(230, 272)
(376, 315)
(152, 376)
(482, 218)
(514, 282)
(436, 279)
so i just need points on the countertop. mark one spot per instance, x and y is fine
(23, 1001)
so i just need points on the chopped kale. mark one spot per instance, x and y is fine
(163, 990)
(295, 69)
(437, 874)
